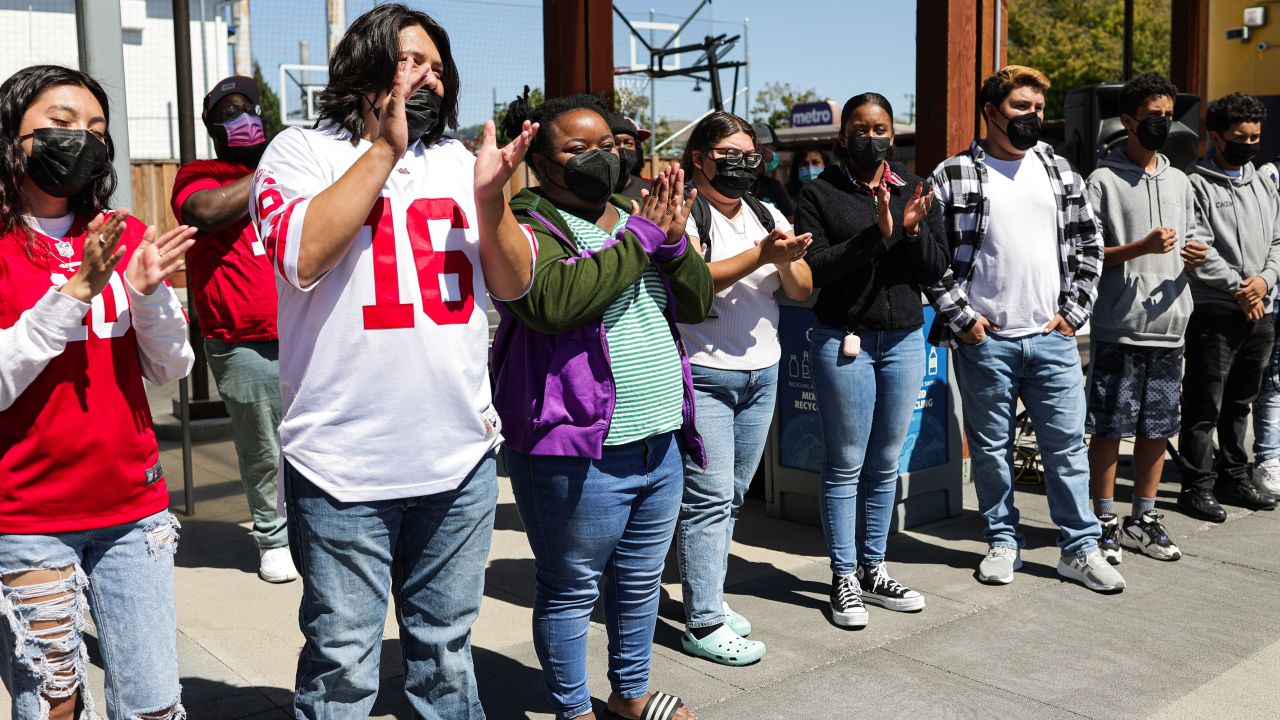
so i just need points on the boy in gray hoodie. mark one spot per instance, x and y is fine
(1230, 334)
(1147, 210)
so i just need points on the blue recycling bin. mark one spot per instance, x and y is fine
(932, 467)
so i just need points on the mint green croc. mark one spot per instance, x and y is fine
(724, 646)
(735, 621)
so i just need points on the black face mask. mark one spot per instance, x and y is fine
(422, 112)
(867, 153)
(1023, 131)
(1153, 132)
(592, 176)
(631, 160)
(627, 163)
(1239, 154)
(63, 161)
(733, 178)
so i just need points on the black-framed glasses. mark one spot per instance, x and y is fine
(752, 159)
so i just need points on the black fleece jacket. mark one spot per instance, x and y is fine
(866, 283)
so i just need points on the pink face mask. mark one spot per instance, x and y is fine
(244, 130)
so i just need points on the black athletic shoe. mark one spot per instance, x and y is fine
(1201, 504)
(1109, 543)
(847, 609)
(880, 589)
(1147, 535)
(1245, 494)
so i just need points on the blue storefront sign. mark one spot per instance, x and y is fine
(800, 445)
(812, 115)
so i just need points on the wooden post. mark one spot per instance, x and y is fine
(577, 41)
(1189, 47)
(955, 51)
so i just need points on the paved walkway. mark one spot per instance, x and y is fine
(1198, 638)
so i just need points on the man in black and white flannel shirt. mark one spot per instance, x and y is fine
(1026, 256)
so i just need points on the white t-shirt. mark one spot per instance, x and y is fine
(383, 367)
(1016, 274)
(741, 332)
(54, 227)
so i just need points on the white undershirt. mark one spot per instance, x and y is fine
(55, 227)
(1016, 274)
(741, 333)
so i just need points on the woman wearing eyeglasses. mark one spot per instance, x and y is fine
(751, 252)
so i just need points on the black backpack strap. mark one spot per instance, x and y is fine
(762, 213)
(702, 221)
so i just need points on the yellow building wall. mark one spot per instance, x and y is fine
(1240, 67)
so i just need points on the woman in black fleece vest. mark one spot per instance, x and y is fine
(876, 242)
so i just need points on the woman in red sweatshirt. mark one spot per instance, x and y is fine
(85, 314)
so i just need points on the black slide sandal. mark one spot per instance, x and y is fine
(660, 706)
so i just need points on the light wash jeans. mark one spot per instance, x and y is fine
(248, 378)
(865, 404)
(427, 552)
(1266, 409)
(125, 572)
(734, 412)
(1044, 371)
(613, 517)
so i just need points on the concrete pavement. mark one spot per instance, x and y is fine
(1193, 639)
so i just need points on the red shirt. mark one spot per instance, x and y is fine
(77, 451)
(235, 285)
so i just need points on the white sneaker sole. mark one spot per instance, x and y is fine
(1000, 579)
(895, 604)
(855, 619)
(1070, 573)
(1265, 490)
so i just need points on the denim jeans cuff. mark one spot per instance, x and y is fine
(695, 624)
(632, 693)
(577, 711)
(1083, 550)
(841, 571)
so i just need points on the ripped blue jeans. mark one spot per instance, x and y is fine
(124, 575)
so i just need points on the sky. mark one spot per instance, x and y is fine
(838, 48)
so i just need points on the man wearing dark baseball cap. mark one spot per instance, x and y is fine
(767, 187)
(629, 137)
(233, 291)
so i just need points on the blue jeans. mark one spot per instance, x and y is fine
(734, 412)
(865, 404)
(428, 552)
(586, 518)
(126, 574)
(248, 379)
(1044, 371)
(1266, 409)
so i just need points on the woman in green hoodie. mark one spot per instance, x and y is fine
(595, 396)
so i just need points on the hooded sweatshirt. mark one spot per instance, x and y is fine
(1146, 300)
(1243, 214)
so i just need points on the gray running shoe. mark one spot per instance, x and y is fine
(1093, 571)
(998, 566)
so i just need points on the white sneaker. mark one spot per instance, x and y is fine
(1266, 476)
(998, 566)
(276, 565)
(1093, 571)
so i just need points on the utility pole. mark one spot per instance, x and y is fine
(337, 23)
(101, 50)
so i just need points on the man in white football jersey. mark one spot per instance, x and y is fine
(386, 237)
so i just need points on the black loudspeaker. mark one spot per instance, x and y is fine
(1092, 127)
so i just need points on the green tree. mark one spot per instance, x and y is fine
(271, 125)
(1080, 42)
(774, 103)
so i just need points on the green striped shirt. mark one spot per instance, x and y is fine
(647, 375)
